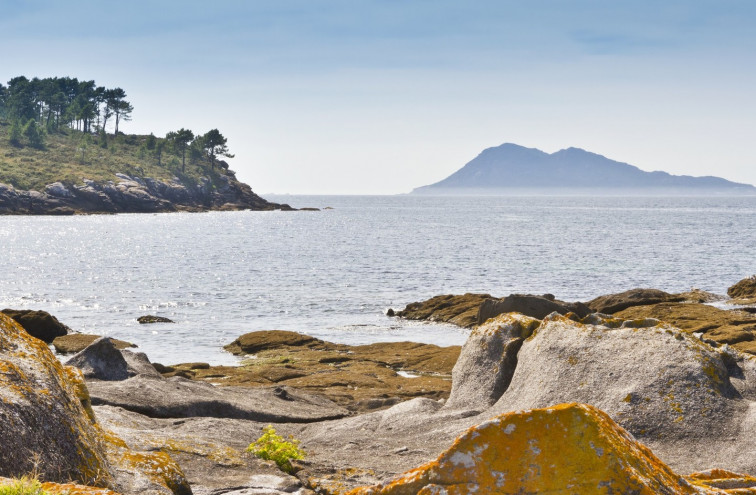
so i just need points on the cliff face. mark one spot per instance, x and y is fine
(132, 194)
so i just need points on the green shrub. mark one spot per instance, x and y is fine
(272, 447)
(23, 486)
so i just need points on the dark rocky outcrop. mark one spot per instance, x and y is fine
(101, 360)
(460, 310)
(39, 324)
(77, 342)
(133, 194)
(534, 306)
(634, 297)
(153, 319)
(745, 289)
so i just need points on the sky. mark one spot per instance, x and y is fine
(380, 97)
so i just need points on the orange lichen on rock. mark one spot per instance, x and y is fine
(568, 448)
(44, 421)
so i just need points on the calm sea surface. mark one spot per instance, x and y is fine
(334, 273)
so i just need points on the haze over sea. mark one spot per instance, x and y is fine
(334, 273)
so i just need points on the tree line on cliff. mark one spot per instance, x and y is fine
(37, 107)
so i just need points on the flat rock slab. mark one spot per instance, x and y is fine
(179, 397)
(360, 378)
(211, 451)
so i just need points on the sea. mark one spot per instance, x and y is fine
(334, 273)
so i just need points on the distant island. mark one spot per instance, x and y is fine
(57, 157)
(512, 167)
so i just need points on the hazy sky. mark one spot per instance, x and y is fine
(374, 97)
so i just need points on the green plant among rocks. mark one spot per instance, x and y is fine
(23, 486)
(273, 447)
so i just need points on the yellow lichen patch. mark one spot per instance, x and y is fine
(727, 481)
(223, 455)
(41, 396)
(569, 448)
(160, 468)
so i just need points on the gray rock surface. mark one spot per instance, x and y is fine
(672, 391)
(211, 451)
(101, 360)
(178, 397)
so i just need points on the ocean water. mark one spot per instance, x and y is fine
(334, 273)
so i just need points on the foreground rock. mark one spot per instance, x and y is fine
(39, 324)
(48, 427)
(669, 389)
(360, 378)
(50, 432)
(133, 194)
(568, 448)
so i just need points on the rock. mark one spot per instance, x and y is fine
(613, 303)
(667, 388)
(745, 289)
(47, 427)
(77, 342)
(178, 397)
(528, 305)
(102, 361)
(253, 342)
(58, 189)
(460, 310)
(39, 324)
(560, 449)
(44, 426)
(211, 451)
(153, 319)
(360, 378)
(733, 327)
(488, 360)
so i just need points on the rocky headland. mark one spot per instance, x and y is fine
(637, 392)
(135, 194)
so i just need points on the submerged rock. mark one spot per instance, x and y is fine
(39, 324)
(153, 319)
(568, 448)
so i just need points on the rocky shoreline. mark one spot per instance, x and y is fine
(133, 194)
(621, 394)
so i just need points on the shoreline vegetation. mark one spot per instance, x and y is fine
(62, 152)
(641, 391)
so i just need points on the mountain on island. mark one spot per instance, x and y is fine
(513, 167)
